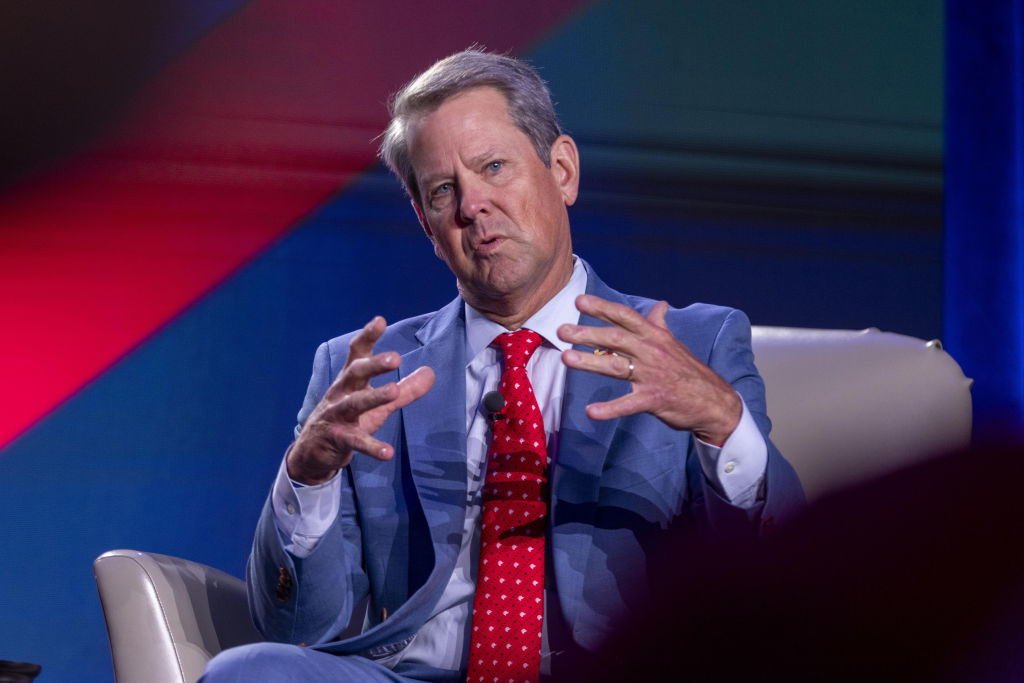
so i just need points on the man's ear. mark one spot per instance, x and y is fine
(565, 167)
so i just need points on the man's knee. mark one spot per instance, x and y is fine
(282, 663)
(255, 662)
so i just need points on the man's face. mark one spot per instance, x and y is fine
(495, 213)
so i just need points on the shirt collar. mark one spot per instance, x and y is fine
(560, 309)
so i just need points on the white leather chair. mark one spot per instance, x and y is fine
(846, 406)
(166, 617)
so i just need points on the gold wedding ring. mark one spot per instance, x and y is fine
(606, 352)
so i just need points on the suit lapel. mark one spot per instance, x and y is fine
(435, 430)
(584, 443)
(583, 448)
(434, 438)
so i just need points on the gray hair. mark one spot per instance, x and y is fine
(528, 97)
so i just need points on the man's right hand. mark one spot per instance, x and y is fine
(352, 411)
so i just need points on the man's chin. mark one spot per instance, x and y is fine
(496, 290)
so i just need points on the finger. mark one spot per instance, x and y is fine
(656, 316)
(414, 386)
(603, 337)
(631, 404)
(357, 370)
(362, 344)
(358, 402)
(405, 392)
(361, 370)
(356, 375)
(390, 396)
(610, 312)
(608, 365)
(366, 444)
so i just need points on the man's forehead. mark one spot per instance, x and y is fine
(482, 105)
(473, 124)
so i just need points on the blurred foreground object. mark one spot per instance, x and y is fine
(66, 68)
(916, 576)
(18, 672)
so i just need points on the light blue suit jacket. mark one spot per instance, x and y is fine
(615, 487)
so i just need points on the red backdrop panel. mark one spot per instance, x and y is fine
(243, 135)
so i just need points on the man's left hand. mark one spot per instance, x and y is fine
(668, 380)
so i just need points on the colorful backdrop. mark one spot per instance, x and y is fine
(191, 204)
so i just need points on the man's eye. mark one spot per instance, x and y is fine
(443, 188)
(495, 166)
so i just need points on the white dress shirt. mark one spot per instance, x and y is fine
(304, 513)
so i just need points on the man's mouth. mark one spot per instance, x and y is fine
(489, 245)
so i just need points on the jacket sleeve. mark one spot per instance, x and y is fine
(781, 497)
(308, 600)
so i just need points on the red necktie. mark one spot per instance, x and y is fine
(508, 608)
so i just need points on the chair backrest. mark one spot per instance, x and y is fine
(847, 406)
(166, 617)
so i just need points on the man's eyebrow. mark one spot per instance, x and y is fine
(430, 179)
(479, 159)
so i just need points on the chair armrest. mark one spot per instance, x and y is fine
(166, 617)
(848, 406)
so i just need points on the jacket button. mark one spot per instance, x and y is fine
(284, 585)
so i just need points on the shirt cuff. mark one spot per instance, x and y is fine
(737, 468)
(303, 514)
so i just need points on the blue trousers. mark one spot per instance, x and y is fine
(282, 663)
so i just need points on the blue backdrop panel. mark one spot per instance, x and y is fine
(985, 205)
(174, 449)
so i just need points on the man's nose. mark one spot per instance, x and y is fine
(474, 199)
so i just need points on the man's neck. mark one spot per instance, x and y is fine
(560, 309)
(514, 310)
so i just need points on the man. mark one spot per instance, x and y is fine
(393, 487)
